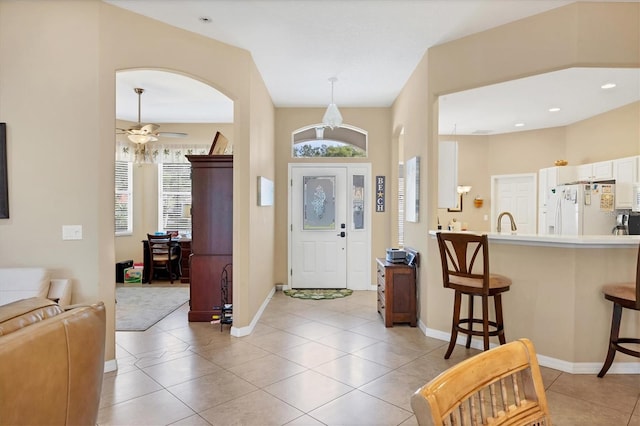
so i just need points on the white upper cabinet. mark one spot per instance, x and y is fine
(603, 170)
(595, 171)
(625, 172)
(584, 171)
(447, 174)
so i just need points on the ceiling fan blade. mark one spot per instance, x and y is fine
(172, 134)
(148, 129)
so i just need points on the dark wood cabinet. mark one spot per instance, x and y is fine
(396, 293)
(211, 231)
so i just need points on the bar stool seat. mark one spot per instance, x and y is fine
(460, 272)
(623, 295)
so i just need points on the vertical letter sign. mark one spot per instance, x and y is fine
(379, 193)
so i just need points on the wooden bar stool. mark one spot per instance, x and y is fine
(461, 272)
(623, 295)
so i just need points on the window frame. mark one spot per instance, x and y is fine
(323, 140)
(128, 192)
(183, 225)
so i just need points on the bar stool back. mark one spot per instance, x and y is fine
(465, 269)
(623, 295)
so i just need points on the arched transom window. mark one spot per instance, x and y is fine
(319, 141)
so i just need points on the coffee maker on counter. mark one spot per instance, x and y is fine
(622, 225)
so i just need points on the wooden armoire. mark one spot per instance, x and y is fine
(211, 231)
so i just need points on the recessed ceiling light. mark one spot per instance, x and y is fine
(519, 124)
(205, 19)
(554, 109)
(608, 86)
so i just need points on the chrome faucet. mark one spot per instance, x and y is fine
(511, 219)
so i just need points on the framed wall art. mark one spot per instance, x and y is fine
(265, 191)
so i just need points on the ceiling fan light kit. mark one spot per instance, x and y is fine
(143, 133)
(332, 117)
(142, 138)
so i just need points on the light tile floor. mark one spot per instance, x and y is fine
(326, 362)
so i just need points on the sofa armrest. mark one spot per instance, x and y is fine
(52, 370)
(60, 291)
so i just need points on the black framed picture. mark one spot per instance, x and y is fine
(4, 184)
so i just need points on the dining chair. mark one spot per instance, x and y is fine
(162, 255)
(465, 269)
(501, 386)
(623, 295)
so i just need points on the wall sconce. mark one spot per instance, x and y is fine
(478, 201)
(463, 189)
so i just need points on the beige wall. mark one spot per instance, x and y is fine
(59, 101)
(377, 123)
(615, 134)
(550, 41)
(258, 232)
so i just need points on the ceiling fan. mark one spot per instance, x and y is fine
(143, 133)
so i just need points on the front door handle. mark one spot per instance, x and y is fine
(342, 234)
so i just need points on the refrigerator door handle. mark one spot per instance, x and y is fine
(559, 215)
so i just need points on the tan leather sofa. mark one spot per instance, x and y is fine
(51, 363)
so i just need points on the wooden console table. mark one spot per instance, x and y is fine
(396, 293)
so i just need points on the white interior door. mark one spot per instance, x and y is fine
(318, 227)
(515, 194)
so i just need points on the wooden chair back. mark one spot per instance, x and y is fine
(501, 386)
(159, 247)
(465, 261)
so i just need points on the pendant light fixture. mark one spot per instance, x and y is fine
(332, 117)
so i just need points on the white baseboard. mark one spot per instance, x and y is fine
(110, 365)
(245, 331)
(543, 360)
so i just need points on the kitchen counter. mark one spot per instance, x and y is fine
(555, 299)
(582, 241)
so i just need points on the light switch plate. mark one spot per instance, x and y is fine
(71, 232)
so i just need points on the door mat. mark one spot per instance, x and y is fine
(318, 294)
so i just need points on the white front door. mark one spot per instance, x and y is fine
(329, 245)
(515, 194)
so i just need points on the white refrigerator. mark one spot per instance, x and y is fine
(581, 209)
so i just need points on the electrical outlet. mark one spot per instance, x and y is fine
(71, 232)
(486, 217)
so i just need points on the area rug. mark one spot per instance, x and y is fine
(140, 307)
(318, 294)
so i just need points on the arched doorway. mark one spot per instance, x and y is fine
(153, 178)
